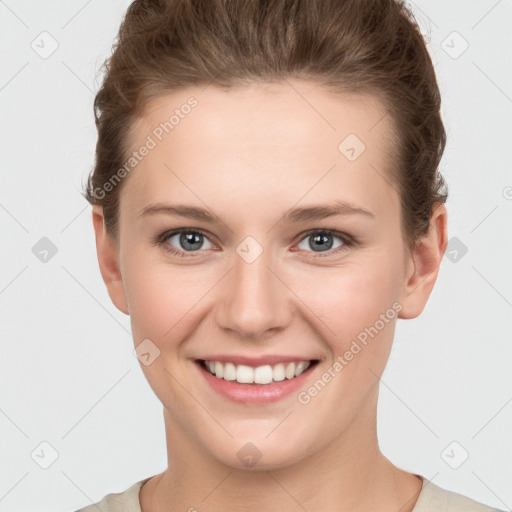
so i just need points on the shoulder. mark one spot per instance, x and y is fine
(125, 501)
(437, 499)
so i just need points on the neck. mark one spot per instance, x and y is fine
(349, 474)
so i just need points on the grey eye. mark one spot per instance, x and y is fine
(320, 242)
(189, 241)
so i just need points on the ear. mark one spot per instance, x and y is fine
(108, 259)
(423, 265)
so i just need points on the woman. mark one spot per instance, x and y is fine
(267, 204)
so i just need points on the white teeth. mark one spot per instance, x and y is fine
(244, 374)
(219, 370)
(259, 375)
(263, 374)
(301, 367)
(278, 372)
(229, 371)
(289, 372)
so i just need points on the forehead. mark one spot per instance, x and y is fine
(283, 137)
(262, 111)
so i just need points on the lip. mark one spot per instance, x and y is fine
(256, 394)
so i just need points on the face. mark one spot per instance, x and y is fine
(298, 256)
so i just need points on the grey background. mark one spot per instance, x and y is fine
(68, 376)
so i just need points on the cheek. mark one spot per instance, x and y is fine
(349, 299)
(162, 299)
(358, 308)
(164, 304)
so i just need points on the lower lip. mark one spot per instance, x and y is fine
(255, 393)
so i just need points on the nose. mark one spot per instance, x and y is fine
(253, 299)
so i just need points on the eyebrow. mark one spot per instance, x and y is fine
(293, 215)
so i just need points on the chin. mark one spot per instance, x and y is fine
(259, 456)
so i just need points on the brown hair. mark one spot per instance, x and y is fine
(360, 46)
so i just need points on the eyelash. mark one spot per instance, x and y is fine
(347, 240)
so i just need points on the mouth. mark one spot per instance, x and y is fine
(253, 385)
(260, 375)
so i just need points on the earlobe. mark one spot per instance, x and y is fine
(423, 265)
(108, 260)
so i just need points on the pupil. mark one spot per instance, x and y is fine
(323, 241)
(190, 238)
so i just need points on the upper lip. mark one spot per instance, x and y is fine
(256, 361)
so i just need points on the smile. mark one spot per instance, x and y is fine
(263, 375)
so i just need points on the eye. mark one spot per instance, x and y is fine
(186, 240)
(321, 241)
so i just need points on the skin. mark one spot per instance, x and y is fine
(247, 155)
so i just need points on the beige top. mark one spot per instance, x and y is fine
(432, 498)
